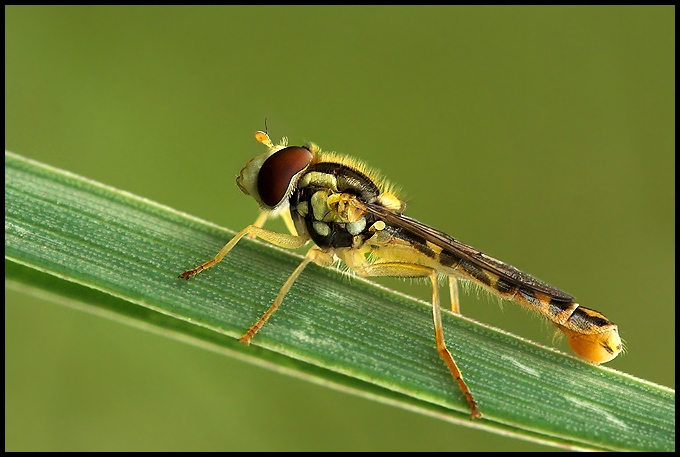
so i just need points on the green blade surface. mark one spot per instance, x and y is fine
(119, 255)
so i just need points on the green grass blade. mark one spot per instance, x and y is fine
(118, 255)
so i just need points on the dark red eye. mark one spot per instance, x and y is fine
(278, 171)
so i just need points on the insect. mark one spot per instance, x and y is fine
(352, 214)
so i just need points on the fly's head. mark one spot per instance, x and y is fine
(271, 178)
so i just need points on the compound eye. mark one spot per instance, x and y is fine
(277, 172)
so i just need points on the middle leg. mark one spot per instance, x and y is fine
(411, 270)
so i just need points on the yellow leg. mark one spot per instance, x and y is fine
(264, 215)
(259, 222)
(453, 294)
(261, 219)
(410, 270)
(278, 239)
(290, 225)
(314, 255)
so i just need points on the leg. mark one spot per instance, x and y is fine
(259, 222)
(314, 255)
(262, 218)
(453, 294)
(278, 239)
(410, 270)
(290, 225)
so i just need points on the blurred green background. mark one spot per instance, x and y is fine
(543, 136)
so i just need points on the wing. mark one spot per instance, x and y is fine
(457, 248)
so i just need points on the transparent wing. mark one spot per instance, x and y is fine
(457, 248)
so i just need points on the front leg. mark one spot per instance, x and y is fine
(275, 238)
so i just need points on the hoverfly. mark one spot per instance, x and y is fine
(352, 214)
